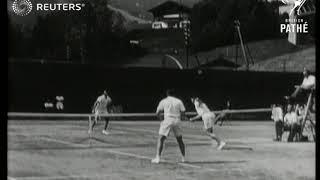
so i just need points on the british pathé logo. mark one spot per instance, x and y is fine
(22, 7)
(297, 4)
(294, 25)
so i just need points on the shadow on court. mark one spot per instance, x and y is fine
(216, 162)
(237, 147)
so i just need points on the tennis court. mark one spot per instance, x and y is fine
(61, 149)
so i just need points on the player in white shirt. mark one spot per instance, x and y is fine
(277, 116)
(173, 110)
(292, 122)
(308, 84)
(100, 107)
(59, 103)
(208, 119)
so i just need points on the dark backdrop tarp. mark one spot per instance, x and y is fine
(140, 89)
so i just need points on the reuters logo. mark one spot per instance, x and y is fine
(22, 7)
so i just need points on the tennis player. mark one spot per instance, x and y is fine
(173, 110)
(100, 107)
(208, 119)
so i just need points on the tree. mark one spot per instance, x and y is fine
(212, 22)
(94, 34)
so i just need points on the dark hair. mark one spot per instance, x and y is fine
(199, 100)
(170, 92)
(291, 107)
(306, 70)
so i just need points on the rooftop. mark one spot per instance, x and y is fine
(169, 7)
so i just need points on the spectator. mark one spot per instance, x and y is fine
(300, 112)
(59, 103)
(291, 122)
(277, 116)
(48, 105)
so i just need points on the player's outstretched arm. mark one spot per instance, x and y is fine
(94, 106)
(195, 118)
(160, 111)
(183, 115)
(219, 116)
(109, 101)
(160, 115)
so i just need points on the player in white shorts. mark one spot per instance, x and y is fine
(208, 119)
(100, 107)
(172, 109)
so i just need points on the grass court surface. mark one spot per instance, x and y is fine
(61, 150)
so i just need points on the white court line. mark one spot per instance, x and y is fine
(62, 141)
(148, 158)
(171, 162)
(63, 177)
(105, 176)
(114, 152)
(75, 144)
(135, 155)
(65, 142)
(101, 176)
(198, 137)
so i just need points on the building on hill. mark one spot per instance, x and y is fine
(170, 14)
(220, 63)
(166, 35)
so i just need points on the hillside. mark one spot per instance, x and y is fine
(127, 17)
(267, 55)
(139, 8)
(290, 62)
(259, 50)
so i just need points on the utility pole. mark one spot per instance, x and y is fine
(68, 52)
(284, 65)
(82, 43)
(237, 25)
(81, 46)
(180, 11)
(186, 29)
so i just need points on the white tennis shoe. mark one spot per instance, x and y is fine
(156, 160)
(105, 132)
(222, 144)
(183, 159)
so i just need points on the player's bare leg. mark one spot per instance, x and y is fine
(181, 147)
(160, 143)
(218, 118)
(92, 123)
(104, 131)
(213, 136)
